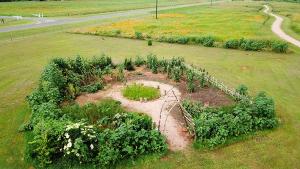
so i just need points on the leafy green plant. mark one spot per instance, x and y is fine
(149, 42)
(92, 88)
(139, 61)
(139, 35)
(232, 44)
(176, 74)
(152, 63)
(128, 64)
(242, 90)
(138, 91)
(279, 47)
(191, 81)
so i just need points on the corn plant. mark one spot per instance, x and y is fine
(190, 81)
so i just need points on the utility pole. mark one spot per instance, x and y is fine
(156, 9)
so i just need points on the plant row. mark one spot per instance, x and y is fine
(207, 41)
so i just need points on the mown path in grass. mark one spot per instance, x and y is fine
(58, 21)
(276, 28)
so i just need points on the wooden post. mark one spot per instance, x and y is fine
(156, 9)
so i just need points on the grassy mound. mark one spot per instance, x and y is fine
(137, 91)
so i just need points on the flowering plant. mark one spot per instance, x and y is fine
(80, 141)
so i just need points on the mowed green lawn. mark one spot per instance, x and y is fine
(226, 20)
(12, 22)
(79, 7)
(279, 74)
(291, 12)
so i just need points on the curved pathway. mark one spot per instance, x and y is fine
(159, 109)
(276, 28)
(60, 21)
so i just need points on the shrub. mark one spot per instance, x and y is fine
(182, 40)
(232, 44)
(207, 41)
(176, 74)
(242, 90)
(252, 45)
(152, 63)
(138, 35)
(279, 47)
(92, 88)
(138, 91)
(139, 61)
(149, 42)
(128, 65)
(191, 81)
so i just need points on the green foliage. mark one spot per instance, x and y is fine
(191, 87)
(215, 126)
(207, 41)
(176, 74)
(128, 64)
(120, 73)
(93, 112)
(242, 90)
(139, 61)
(92, 88)
(152, 63)
(232, 44)
(252, 45)
(279, 47)
(149, 42)
(139, 91)
(139, 35)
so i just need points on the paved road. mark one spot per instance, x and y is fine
(60, 21)
(276, 28)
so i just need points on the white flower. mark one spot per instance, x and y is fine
(67, 135)
(92, 146)
(69, 144)
(77, 154)
(68, 152)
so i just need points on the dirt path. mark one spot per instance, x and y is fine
(173, 129)
(276, 28)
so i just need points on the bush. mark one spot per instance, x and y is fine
(139, 61)
(252, 45)
(215, 126)
(149, 42)
(191, 81)
(152, 63)
(207, 41)
(92, 88)
(242, 90)
(182, 40)
(139, 91)
(138, 35)
(128, 65)
(279, 47)
(232, 44)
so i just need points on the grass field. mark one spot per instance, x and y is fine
(277, 74)
(79, 7)
(12, 22)
(22, 61)
(139, 91)
(290, 11)
(222, 20)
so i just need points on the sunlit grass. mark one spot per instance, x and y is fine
(223, 21)
(139, 91)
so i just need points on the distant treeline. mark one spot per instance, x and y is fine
(26, 0)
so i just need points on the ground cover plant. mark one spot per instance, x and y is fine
(77, 7)
(100, 135)
(201, 25)
(139, 91)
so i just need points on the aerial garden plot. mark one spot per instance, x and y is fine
(97, 113)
